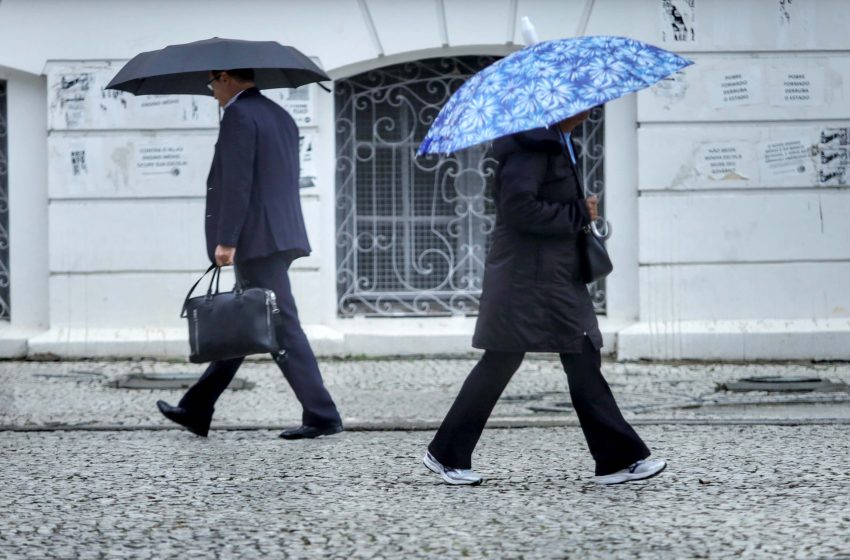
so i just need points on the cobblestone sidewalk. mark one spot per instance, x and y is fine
(130, 490)
(730, 492)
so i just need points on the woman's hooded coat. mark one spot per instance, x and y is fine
(532, 298)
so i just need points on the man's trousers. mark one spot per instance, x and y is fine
(299, 366)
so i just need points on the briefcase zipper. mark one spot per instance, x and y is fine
(197, 329)
(272, 298)
(271, 308)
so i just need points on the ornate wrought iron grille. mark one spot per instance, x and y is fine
(589, 139)
(4, 209)
(412, 234)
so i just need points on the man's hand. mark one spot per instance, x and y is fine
(224, 255)
(592, 208)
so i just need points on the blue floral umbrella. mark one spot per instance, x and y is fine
(544, 84)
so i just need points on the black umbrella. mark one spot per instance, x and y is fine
(185, 68)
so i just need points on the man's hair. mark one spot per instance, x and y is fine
(241, 74)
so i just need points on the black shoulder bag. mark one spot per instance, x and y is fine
(224, 325)
(595, 262)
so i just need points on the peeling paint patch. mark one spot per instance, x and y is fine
(784, 12)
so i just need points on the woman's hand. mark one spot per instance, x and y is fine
(592, 207)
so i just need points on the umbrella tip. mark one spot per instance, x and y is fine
(529, 34)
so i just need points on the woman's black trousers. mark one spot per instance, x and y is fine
(613, 443)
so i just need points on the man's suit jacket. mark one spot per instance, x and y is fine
(253, 202)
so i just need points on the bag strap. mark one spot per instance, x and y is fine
(214, 280)
(195, 285)
(562, 137)
(239, 287)
(590, 227)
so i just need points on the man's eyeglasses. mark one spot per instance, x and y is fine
(210, 83)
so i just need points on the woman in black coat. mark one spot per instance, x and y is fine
(534, 301)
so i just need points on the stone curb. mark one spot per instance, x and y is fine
(430, 425)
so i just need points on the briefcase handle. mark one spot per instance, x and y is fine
(215, 279)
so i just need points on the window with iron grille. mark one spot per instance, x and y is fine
(413, 233)
(4, 209)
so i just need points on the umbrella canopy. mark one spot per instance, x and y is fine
(184, 69)
(544, 84)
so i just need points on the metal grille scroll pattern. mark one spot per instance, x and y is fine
(413, 233)
(589, 139)
(4, 209)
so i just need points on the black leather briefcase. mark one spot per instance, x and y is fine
(225, 325)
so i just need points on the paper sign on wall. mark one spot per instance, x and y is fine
(307, 158)
(833, 161)
(735, 87)
(678, 21)
(785, 158)
(726, 161)
(798, 87)
(77, 156)
(298, 102)
(834, 137)
(160, 159)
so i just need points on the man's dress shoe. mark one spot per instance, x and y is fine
(307, 432)
(197, 425)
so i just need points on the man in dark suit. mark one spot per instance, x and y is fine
(254, 221)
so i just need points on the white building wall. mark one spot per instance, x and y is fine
(745, 267)
(744, 242)
(28, 250)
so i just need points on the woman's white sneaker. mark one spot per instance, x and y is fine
(641, 470)
(451, 476)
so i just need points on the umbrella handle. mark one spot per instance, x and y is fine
(529, 34)
(602, 233)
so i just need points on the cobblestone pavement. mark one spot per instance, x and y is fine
(398, 393)
(730, 491)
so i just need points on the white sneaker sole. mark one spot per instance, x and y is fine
(620, 478)
(437, 468)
